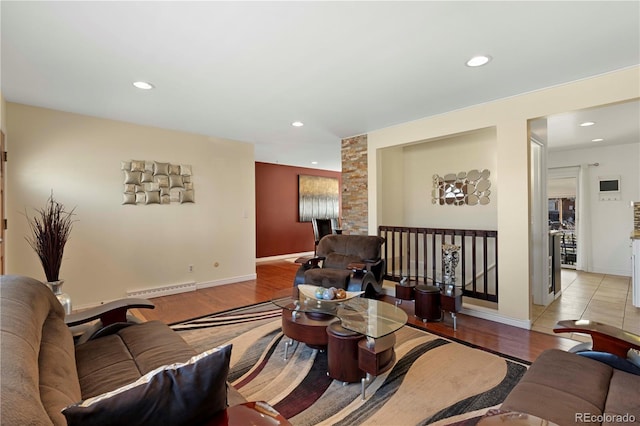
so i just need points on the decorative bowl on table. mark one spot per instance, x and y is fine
(320, 293)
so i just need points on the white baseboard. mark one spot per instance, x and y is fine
(230, 280)
(495, 317)
(283, 256)
(165, 290)
(611, 271)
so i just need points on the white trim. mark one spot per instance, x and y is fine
(283, 256)
(230, 280)
(78, 308)
(150, 293)
(164, 290)
(611, 271)
(539, 217)
(491, 316)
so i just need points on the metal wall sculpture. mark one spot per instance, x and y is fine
(462, 188)
(318, 197)
(153, 182)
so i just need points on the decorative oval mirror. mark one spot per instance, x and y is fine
(473, 175)
(450, 178)
(483, 185)
(471, 188)
(461, 188)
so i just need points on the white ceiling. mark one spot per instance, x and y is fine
(616, 124)
(246, 70)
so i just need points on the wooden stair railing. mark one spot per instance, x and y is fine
(416, 253)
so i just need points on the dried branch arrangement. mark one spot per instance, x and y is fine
(50, 229)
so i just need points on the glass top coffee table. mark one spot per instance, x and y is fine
(369, 317)
(306, 319)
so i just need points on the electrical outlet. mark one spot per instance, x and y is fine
(190, 268)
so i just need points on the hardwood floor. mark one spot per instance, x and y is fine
(277, 275)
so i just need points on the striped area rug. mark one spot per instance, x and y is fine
(434, 381)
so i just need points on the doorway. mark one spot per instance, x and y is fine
(562, 205)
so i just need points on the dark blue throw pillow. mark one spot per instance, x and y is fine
(613, 361)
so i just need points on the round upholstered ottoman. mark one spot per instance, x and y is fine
(428, 303)
(342, 353)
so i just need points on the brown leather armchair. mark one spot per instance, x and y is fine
(351, 262)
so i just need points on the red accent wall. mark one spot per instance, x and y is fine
(278, 231)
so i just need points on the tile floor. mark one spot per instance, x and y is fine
(597, 297)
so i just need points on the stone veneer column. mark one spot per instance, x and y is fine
(355, 208)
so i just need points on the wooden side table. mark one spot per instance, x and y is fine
(405, 292)
(375, 356)
(452, 303)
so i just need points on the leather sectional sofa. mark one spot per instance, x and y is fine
(44, 371)
(566, 388)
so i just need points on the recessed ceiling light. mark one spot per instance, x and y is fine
(143, 85)
(597, 140)
(314, 162)
(587, 124)
(297, 124)
(478, 61)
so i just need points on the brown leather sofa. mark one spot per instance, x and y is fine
(566, 388)
(43, 370)
(350, 262)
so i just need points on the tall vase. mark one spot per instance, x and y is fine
(450, 258)
(63, 298)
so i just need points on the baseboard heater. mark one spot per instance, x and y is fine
(149, 293)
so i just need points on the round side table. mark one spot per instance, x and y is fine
(428, 303)
(342, 354)
(407, 291)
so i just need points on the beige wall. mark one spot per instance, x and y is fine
(407, 184)
(510, 119)
(115, 247)
(611, 221)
